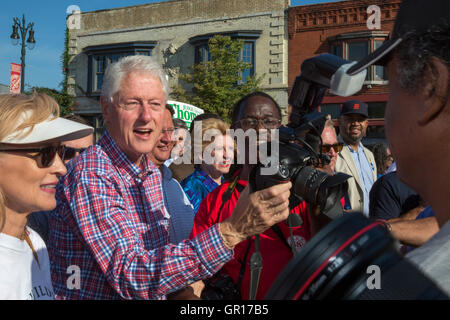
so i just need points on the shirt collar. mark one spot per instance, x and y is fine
(121, 160)
(360, 147)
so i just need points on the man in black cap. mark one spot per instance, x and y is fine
(418, 116)
(354, 159)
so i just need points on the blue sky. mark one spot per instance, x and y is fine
(43, 63)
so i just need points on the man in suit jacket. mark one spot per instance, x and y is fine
(354, 159)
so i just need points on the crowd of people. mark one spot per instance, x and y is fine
(138, 223)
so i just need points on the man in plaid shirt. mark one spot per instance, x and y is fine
(111, 227)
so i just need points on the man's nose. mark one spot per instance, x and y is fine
(166, 136)
(260, 124)
(332, 152)
(146, 113)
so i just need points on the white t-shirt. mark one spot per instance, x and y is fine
(21, 278)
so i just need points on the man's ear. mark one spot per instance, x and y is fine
(435, 90)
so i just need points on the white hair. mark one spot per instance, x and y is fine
(116, 71)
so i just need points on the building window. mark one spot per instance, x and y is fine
(376, 110)
(357, 45)
(380, 72)
(202, 53)
(357, 50)
(336, 49)
(99, 67)
(247, 53)
(99, 57)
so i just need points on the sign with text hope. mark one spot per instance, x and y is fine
(184, 111)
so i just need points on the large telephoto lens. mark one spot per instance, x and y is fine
(352, 258)
(317, 187)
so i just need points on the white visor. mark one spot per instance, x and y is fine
(59, 129)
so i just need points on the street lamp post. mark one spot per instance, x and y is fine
(20, 32)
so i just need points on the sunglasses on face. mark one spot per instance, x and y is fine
(71, 153)
(337, 147)
(44, 156)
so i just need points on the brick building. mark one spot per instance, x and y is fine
(341, 28)
(175, 33)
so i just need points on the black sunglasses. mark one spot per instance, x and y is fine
(337, 147)
(46, 154)
(71, 153)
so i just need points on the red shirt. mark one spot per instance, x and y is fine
(274, 252)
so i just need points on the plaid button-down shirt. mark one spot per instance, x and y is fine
(111, 228)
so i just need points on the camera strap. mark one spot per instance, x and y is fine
(255, 269)
(276, 228)
(228, 193)
(243, 265)
(256, 258)
(225, 197)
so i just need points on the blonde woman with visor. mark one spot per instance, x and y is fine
(30, 166)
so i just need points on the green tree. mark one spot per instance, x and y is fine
(217, 84)
(66, 101)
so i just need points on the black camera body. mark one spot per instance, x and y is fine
(220, 287)
(296, 163)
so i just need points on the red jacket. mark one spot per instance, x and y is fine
(274, 251)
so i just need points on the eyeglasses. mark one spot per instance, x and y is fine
(389, 158)
(337, 147)
(168, 130)
(135, 105)
(46, 154)
(268, 123)
(71, 153)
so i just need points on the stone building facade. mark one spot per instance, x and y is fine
(174, 33)
(4, 88)
(341, 28)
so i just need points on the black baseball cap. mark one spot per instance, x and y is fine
(414, 15)
(355, 106)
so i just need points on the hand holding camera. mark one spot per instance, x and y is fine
(256, 212)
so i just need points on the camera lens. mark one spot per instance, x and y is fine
(317, 187)
(352, 258)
